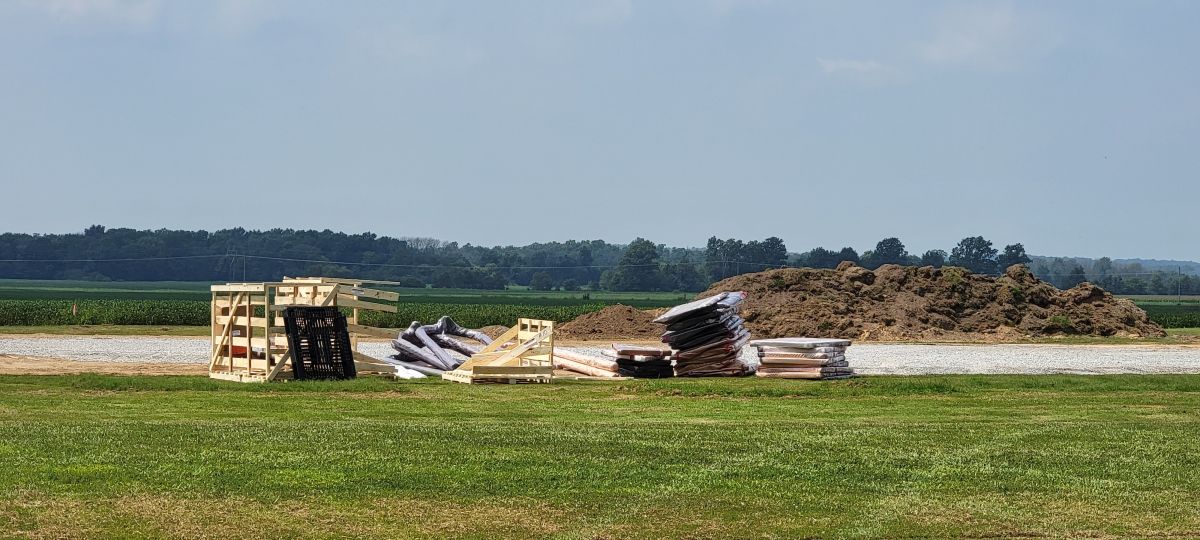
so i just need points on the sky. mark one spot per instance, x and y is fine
(1069, 126)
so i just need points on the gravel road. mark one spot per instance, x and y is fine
(867, 359)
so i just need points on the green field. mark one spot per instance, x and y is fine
(18, 289)
(45, 303)
(877, 457)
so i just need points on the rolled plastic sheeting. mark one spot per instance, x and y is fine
(571, 365)
(420, 368)
(412, 352)
(587, 360)
(453, 344)
(444, 360)
(448, 326)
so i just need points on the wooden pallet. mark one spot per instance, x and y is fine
(502, 374)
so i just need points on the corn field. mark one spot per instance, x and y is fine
(196, 313)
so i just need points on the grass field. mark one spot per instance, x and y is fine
(977, 456)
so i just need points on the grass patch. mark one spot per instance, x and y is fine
(934, 456)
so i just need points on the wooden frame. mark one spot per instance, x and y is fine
(249, 343)
(524, 353)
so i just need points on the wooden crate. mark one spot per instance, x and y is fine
(523, 354)
(249, 343)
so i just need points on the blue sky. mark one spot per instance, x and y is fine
(1069, 126)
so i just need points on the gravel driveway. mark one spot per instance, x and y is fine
(868, 359)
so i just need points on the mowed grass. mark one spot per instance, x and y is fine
(886, 457)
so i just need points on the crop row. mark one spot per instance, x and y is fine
(1173, 315)
(147, 312)
(196, 313)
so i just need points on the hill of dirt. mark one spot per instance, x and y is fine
(896, 303)
(613, 322)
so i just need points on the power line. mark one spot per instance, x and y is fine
(235, 256)
(129, 259)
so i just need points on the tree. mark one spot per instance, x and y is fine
(638, 269)
(1013, 254)
(541, 281)
(1076, 277)
(1102, 266)
(975, 254)
(887, 251)
(847, 254)
(934, 257)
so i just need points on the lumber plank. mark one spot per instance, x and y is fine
(371, 331)
(351, 302)
(360, 292)
(239, 287)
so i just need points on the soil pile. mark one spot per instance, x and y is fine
(908, 303)
(493, 331)
(613, 322)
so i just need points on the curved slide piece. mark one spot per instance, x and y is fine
(411, 352)
(410, 334)
(448, 326)
(421, 368)
(453, 344)
(443, 358)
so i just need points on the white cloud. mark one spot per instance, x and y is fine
(986, 35)
(125, 11)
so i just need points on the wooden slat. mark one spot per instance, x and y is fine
(238, 377)
(371, 331)
(350, 302)
(360, 292)
(507, 336)
(239, 320)
(239, 287)
(511, 370)
(220, 344)
(279, 342)
(278, 367)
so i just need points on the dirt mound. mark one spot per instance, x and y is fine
(909, 303)
(494, 330)
(613, 322)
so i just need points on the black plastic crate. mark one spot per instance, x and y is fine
(320, 343)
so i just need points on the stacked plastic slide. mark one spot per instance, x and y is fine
(642, 362)
(803, 358)
(706, 336)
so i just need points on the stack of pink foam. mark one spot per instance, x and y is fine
(803, 358)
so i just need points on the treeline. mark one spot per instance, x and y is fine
(1117, 278)
(102, 254)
